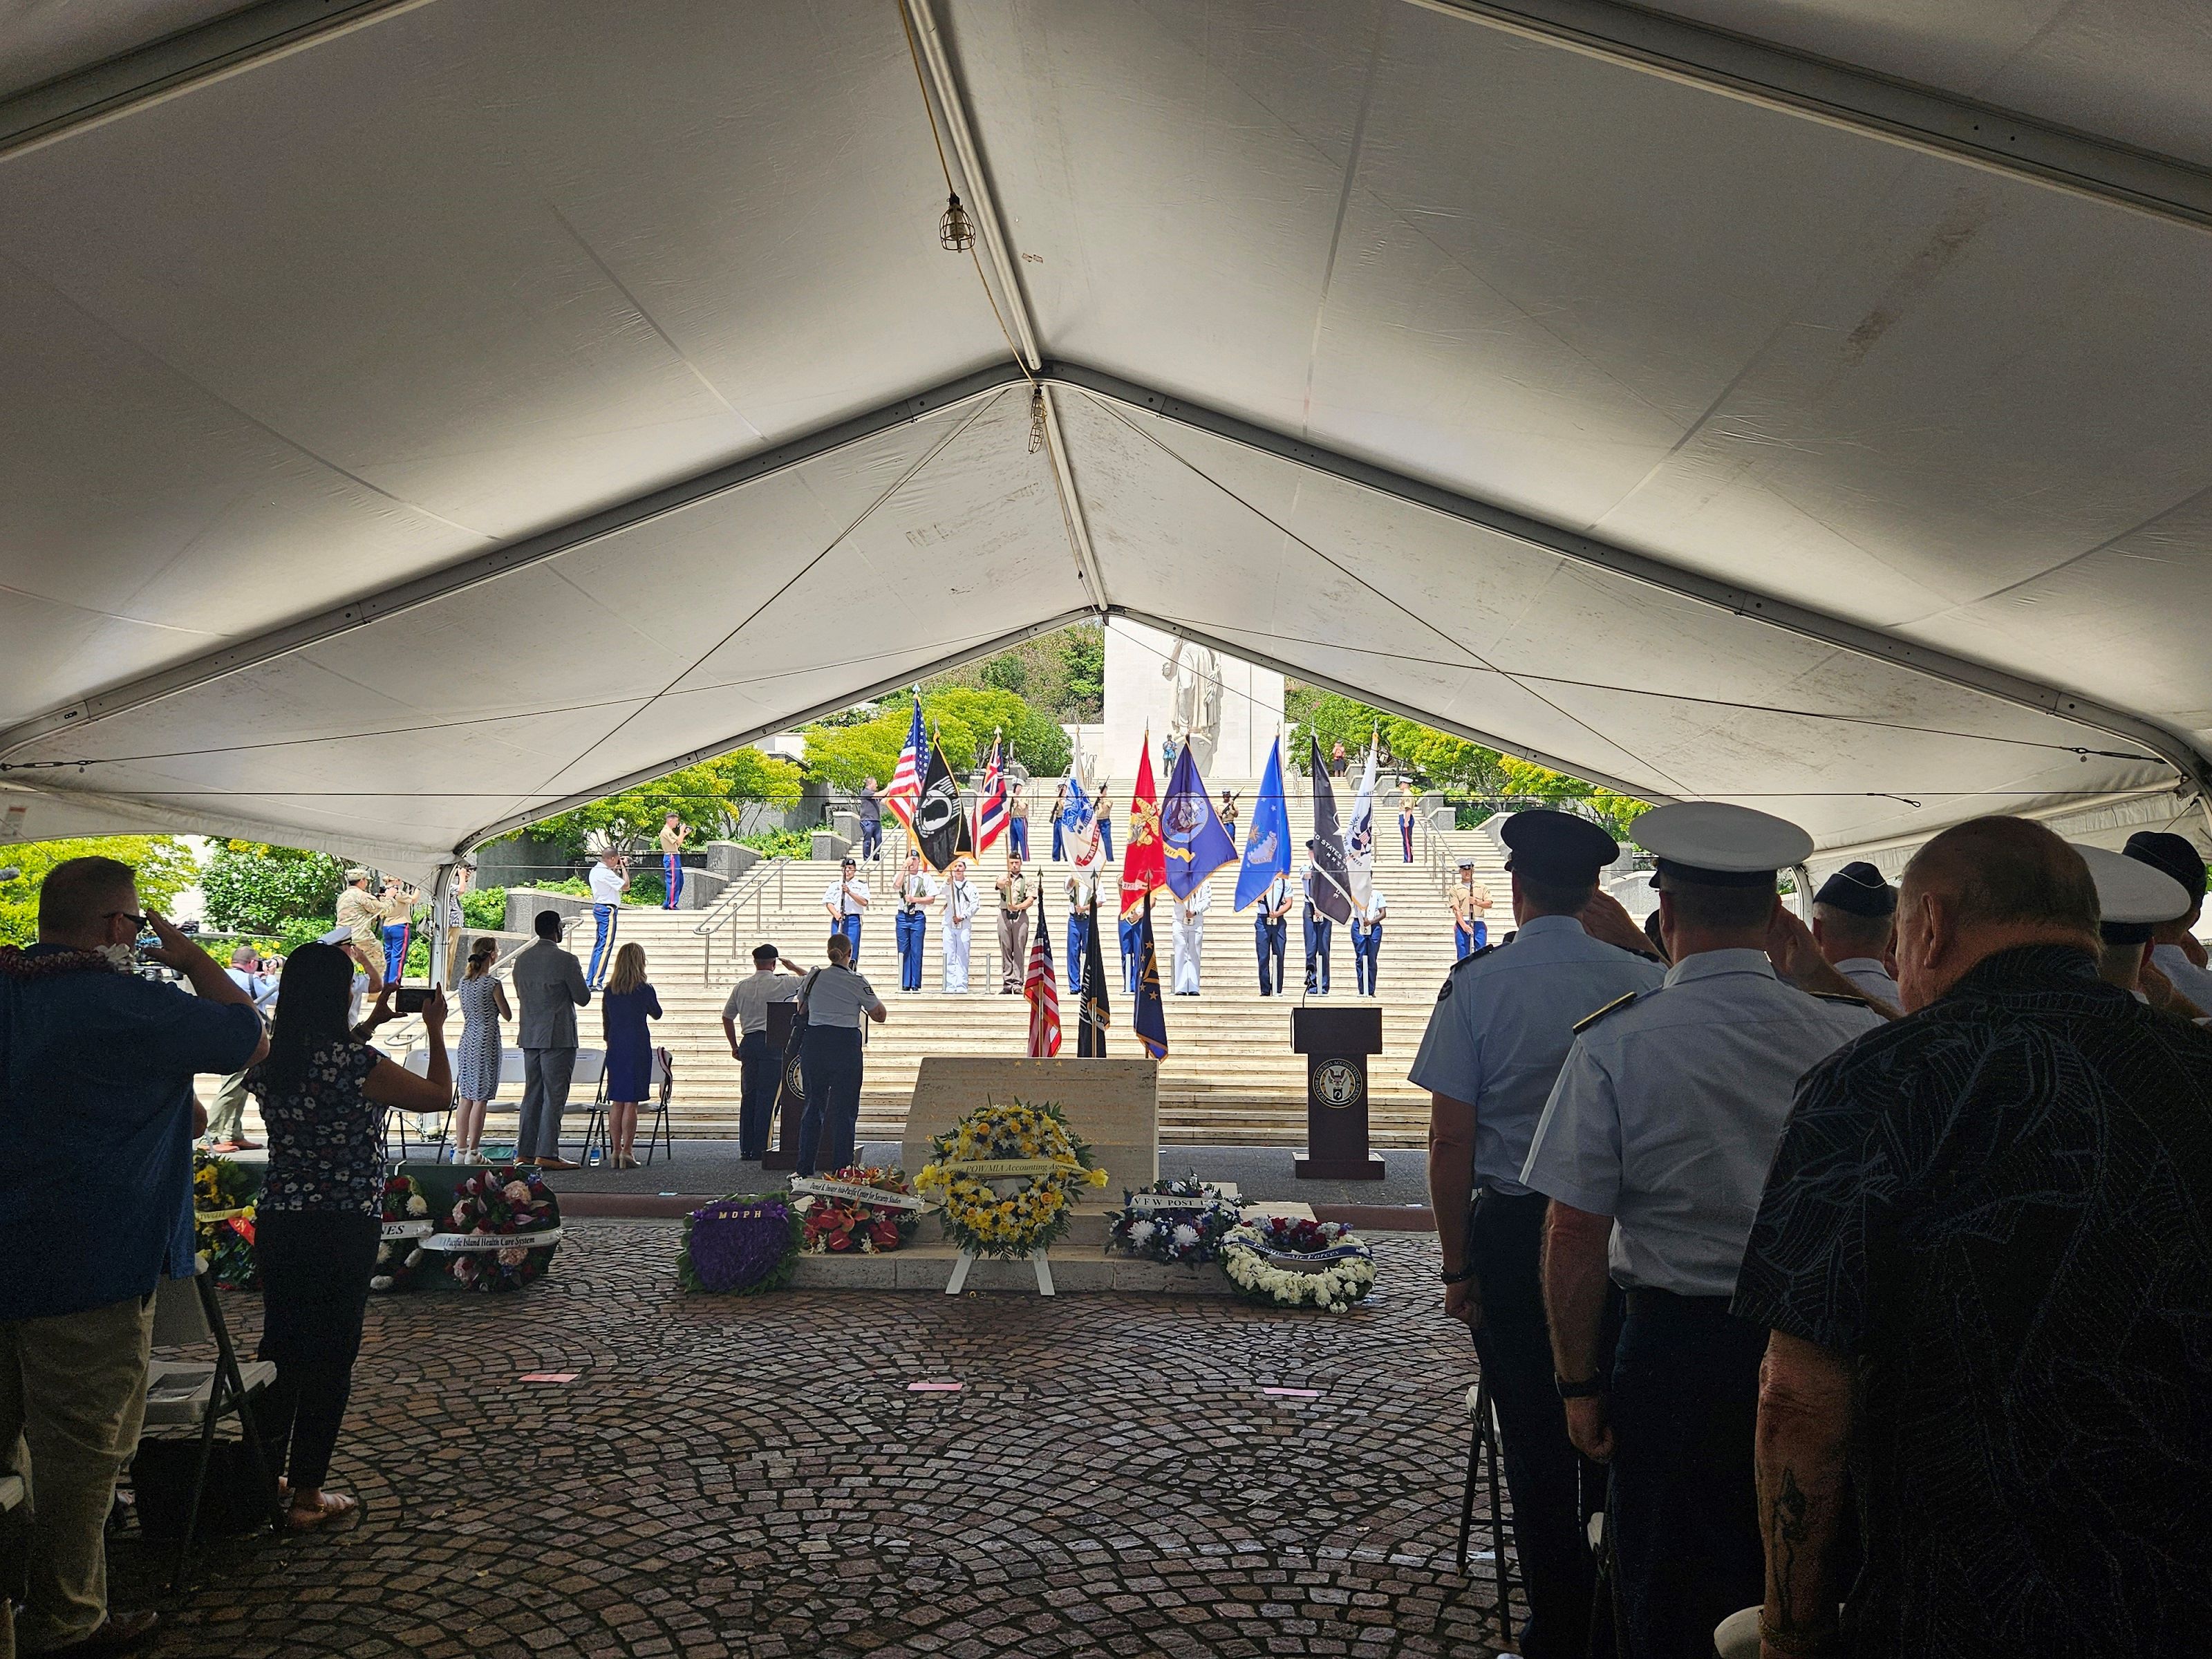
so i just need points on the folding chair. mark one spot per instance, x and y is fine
(591, 1068)
(198, 1394)
(511, 1081)
(1486, 1465)
(418, 1061)
(664, 1079)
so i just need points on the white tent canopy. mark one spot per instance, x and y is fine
(425, 415)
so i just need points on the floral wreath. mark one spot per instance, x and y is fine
(222, 1221)
(841, 1223)
(400, 1252)
(1287, 1262)
(1187, 1233)
(505, 1205)
(1006, 1176)
(739, 1245)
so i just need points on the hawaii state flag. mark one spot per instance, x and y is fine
(991, 809)
(1193, 842)
(913, 764)
(1143, 857)
(1150, 1022)
(1039, 985)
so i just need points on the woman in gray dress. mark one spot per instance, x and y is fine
(483, 1005)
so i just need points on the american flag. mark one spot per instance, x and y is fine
(991, 809)
(1043, 992)
(905, 778)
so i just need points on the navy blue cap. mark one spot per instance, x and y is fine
(1859, 889)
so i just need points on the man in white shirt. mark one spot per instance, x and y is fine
(917, 892)
(1367, 940)
(845, 898)
(2174, 951)
(226, 1124)
(609, 876)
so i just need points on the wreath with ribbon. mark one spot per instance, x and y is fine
(1006, 1176)
(222, 1220)
(407, 1224)
(739, 1245)
(503, 1229)
(862, 1209)
(1284, 1263)
(1182, 1222)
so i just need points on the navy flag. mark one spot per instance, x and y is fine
(1150, 1022)
(1195, 841)
(1332, 891)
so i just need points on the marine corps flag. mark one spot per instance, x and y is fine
(1091, 1035)
(1332, 894)
(1144, 858)
(940, 825)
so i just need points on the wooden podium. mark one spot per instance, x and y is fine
(791, 1091)
(1336, 1042)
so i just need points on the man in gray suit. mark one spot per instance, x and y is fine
(548, 984)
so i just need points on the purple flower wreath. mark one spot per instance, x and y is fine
(741, 1244)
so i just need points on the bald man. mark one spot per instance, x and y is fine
(1982, 1253)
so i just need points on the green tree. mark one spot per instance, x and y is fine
(253, 888)
(960, 720)
(1083, 662)
(708, 796)
(164, 865)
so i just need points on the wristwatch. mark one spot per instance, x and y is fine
(1586, 1388)
(1460, 1277)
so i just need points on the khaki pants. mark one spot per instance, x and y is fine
(1013, 948)
(73, 1396)
(227, 1118)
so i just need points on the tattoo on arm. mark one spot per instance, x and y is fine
(1787, 1533)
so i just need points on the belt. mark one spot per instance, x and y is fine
(1666, 1304)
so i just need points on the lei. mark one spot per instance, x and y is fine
(506, 1204)
(400, 1252)
(1176, 1221)
(741, 1244)
(16, 964)
(842, 1221)
(1288, 1263)
(1006, 1176)
(222, 1220)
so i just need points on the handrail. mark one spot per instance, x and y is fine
(752, 885)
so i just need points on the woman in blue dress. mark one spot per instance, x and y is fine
(624, 1006)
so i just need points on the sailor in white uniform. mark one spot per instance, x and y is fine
(1190, 937)
(1854, 915)
(2134, 898)
(1653, 1149)
(2171, 941)
(962, 901)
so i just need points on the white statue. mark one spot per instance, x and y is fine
(1196, 721)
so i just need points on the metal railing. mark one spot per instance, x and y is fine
(727, 911)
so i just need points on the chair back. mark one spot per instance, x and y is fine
(178, 1319)
(418, 1061)
(510, 1068)
(664, 1074)
(590, 1066)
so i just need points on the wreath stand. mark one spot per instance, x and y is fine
(1040, 1260)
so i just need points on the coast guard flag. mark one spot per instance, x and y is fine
(1267, 847)
(991, 809)
(1196, 843)
(1150, 1022)
(1331, 895)
(905, 778)
(1360, 837)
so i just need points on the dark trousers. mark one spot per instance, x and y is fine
(314, 1268)
(1682, 1506)
(1271, 938)
(1132, 944)
(1366, 954)
(1554, 1487)
(1318, 932)
(1405, 830)
(913, 930)
(546, 1075)
(830, 1064)
(760, 1071)
(672, 877)
(1078, 944)
(871, 837)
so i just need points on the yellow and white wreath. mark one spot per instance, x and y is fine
(1006, 1177)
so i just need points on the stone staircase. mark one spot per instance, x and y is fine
(1230, 1077)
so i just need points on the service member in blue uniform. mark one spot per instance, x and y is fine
(1318, 927)
(1495, 1040)
(1271, 930)
(1854, 915)
(1654, 1149)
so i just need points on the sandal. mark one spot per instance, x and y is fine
(336, 1512)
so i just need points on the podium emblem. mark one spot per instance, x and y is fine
(1336, 1082)
(795, 1079)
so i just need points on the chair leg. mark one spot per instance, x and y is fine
(1467, 1495)
(1500, 1528)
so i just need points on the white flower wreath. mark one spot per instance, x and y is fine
(1294, 1263)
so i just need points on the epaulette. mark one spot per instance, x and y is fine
(1588, 1020)
(1444, 990)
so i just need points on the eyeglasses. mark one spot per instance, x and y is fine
(138, 921)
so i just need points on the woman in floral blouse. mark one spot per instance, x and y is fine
(324, 1092)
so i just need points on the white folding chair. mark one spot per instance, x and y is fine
(417, 1060)
(200, 1393)
(591, 1071)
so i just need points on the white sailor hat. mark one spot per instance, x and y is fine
(1720, 845)
(2131, 895)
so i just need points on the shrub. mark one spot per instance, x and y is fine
(165, 867)
(253, 888)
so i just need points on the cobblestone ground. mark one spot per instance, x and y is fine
(752, 1477)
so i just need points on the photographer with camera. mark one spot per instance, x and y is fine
(97, 1117)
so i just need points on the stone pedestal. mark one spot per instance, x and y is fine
(1115, 1104)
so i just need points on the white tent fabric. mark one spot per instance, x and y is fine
(422, 428)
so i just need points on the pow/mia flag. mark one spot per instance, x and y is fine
(938, 823)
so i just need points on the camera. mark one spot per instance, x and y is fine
(410, 999)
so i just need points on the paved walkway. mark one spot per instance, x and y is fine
(752, 1477)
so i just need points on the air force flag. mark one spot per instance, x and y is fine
(1268, 846)
(1196, 843)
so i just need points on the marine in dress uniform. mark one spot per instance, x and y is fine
(1471, 903)
(1500, 1032)
(1133, 940)
(1080, 887)
(1854, 915)
(1367, 940)
(917, 892)
(1318, 929)
(2171, 940)
(1653, 1149)
(1271, 931)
